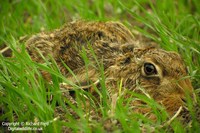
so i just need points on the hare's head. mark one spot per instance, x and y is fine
(164, 76)
(159, 73)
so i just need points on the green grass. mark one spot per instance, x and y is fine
(175, 25)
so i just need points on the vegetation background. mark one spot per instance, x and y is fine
(174, 24)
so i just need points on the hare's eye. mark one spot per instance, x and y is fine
(149, 69)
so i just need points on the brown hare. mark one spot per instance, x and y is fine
(162, 74)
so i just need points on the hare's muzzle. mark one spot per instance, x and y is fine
(186, 86)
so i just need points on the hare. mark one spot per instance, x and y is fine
(162, 74)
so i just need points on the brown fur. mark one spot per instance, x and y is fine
(123, 58)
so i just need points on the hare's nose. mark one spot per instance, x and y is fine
(187, 88)
(185, 85)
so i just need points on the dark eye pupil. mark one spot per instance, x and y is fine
(149, 69)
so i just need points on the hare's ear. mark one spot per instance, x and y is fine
(138, 52)
(127, 47)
